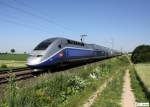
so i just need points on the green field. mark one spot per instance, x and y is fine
(17, 57)
(139, 93)
(11, 64)
(143, 71)
(12, 61)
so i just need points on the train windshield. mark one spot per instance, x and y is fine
(44, 45)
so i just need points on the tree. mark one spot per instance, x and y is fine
(12, 51)
(141, 54)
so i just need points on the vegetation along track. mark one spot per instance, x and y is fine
(62, 89)
(25, 72)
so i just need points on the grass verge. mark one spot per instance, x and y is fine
(69, 89)
(111, 95)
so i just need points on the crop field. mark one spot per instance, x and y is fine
(12, 61)
(143, 71)
(136, 87)
(12, 64)
(17, 57)
(64, 89)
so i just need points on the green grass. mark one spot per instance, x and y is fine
(111, 95)
(17, 57)
(143, 70)
(71, 88)
(122, 62)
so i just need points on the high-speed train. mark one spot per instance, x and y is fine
(59, 51)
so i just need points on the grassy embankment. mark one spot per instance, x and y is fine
(8, 61)
(71, 88)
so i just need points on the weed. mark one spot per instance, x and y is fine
(3, 66)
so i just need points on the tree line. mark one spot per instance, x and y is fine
(141, 54)
(11, 51)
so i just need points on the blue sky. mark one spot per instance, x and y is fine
(25, 23)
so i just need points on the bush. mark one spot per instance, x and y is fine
(3, 66)
(141, 54)
(76, 84)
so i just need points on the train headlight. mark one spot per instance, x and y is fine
(34, 61)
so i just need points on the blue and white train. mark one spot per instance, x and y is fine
(59, 51)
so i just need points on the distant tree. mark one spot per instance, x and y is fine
(141, 54)
(12, 51)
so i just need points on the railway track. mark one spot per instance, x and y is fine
(14, 70)
(18, 74)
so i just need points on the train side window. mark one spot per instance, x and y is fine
(59, 46)
(69, 42)
(75, 42)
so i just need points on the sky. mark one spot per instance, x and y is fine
(121, 24)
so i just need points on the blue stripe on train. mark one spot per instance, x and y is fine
(69, 53)
(77, 53)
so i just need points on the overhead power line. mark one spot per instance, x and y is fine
(20, 24)
(33, 14)
(30, 7)
(11, 19)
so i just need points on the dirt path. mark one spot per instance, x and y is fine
(95, 95)
(128, 99)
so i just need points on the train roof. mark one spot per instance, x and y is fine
(88, 45)
(61, 38)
